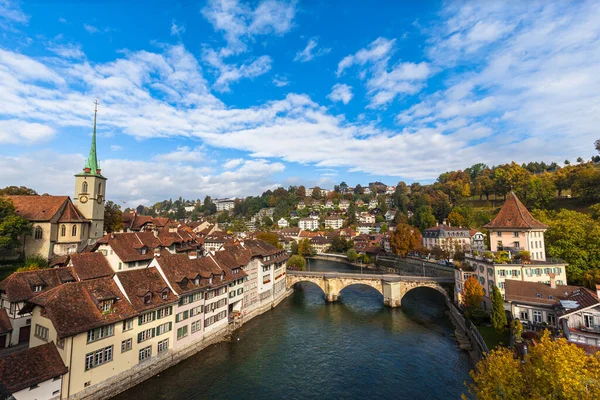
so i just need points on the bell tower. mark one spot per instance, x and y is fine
(90, 189)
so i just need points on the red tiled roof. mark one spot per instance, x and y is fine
(91, 266)
(19, 285)
(75, 307)
(126, 245)
(38, 208)
(31, 366)
(137, 283)
(70, 214)
(514, 214)
(5, 325)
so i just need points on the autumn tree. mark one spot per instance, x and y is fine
(113, 217)
(12, 225)
(498, 314)
(553, 369)
(17, 191)
(297, 262)
(472, 293)
(304, 248)
(406, 238)
(351, 254)
(269, 237)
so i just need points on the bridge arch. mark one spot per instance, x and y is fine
(293, 280)
(408, 286)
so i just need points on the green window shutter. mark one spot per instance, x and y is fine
(153, 332)
(177, 318)
(140, 320)
(170, 310)
(139, 337)
(153, 315)
(186, 314)
(170, 326)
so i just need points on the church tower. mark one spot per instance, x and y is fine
(90, 189)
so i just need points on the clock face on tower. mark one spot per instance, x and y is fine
(83, 199)
(99, 199)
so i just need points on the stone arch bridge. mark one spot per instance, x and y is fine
(392, 287)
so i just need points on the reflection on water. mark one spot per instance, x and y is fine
(307, 348)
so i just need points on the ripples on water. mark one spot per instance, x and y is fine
(306, 348)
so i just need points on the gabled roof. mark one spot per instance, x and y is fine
(514, 214)
(90, 266)
(19, 285)
(543, 294)
(75, 307)
(31, 366)
(137, 283)
(38, 208)
(128, 245)
(70, 214)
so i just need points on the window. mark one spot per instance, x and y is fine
(145, 335)
(551, 319)
(100, 333)
(517, 244)
(164, 312)
(84, 187)
(182, 332)
(120, 265)
(516, 234)
(60, 343)
(126, 345)
(38, 232)
(502, 285)
(537, 317)
(63, 230)
(499, 234)
(98, 357)
(148, 298)
(128, 325)
(588, 320)
(164, 328)
(41, 332)
(501, 272)
(38, 288)
(145, 353)
(196, 326)
(163, 346)
(107, 305)
(100, 188)
(539, 296)
(74, 230)
(165, 294)
(182, 316)
(524, 316)
(196, 310)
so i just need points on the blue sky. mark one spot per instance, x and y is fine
(230, 98)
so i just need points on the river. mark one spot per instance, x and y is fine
(306, 348)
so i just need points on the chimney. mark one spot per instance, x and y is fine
(598, 291)
(552, 281)
(157, 252)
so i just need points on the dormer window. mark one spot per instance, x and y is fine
(210, 280)
(143, 250)
(164, 294)
(38, 288)
(148, 298)
(106, 305)
(197, 281)
(539, 296)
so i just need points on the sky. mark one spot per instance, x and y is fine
(230, 98)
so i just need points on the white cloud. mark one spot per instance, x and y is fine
(176, 30)
(131, 180)
(10, 12)
(280, 81)
(14, 131)
(67, 50)
(184, 154)
(91, 29)
(311, 51)
(116, 147)
(231, 73)
(62, 20)
(341, 92)
(377, 50)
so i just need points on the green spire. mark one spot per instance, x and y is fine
(91, 164)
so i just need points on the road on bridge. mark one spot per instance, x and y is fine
(385, 277)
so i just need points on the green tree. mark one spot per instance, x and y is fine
(294, 247)
(267, 221)
(269, 237)
(498, 314)
(541, 191)
(351, 254)
(17, 191)
(423, 218)
(297, 262)
(12, 225)
(304, 248)
(113, 217)
(33, 263)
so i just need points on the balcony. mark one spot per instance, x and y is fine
(590, 329)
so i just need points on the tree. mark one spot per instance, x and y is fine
(294, 247)
(579, 160)
(267, 221)
(297, 263)
(406, 238)
(597, 145)
(423, 218)
(351, 255)
(17, 191)
(351, 213)
(456, 219)
(567, 162)
(33, 263)
(304, 248)
(269, 237)
(553, 369)
(113, 217)
(498, 314)
(472, 293)
(12, 225)
(541, 191)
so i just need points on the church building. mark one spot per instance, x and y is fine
(62, 226)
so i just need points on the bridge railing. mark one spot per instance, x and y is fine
(472, 332)
(390, 277)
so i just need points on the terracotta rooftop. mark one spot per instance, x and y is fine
(138, 283)
(19, 286)
(514, 214)
(70, 214)
(76, 307)
(90, 266)
(31, 366)
(129, 246)
(527, 292)
(38, 208)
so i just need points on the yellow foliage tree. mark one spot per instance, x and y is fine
(553, 369)
(472, 293)
(404, 239)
